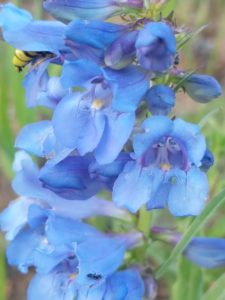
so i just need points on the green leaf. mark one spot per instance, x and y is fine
(191, 231)
(189, 283)
(216, 291)
(169, 7)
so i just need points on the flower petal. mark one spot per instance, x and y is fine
(188, 192)
(128, 85)
(79, 72)
(135, 186)
(118, 128)
(76, 126)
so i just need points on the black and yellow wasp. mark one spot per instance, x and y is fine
(22, 58)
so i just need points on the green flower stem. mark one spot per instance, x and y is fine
(191, 231)
(144, 221)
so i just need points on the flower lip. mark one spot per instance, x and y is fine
(167, 153)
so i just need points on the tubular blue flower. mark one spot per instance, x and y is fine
(82, 177)
(160, 99)
(27, 183)
(202, 88)
(70, 178)
(89, 10)
(165, 170)
(96, 35)
(206, 252)
(20, 31)
(103, 112)
(69, 10)
(156, 46)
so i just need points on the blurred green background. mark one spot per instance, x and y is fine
(206, 52)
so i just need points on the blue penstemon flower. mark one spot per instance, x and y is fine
(92, 120)
(165, 170)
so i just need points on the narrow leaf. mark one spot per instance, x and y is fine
(191, 231)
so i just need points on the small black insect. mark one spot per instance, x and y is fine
(177, 59)
(94, 276)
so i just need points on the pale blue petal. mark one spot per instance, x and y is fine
(194, 141)
(20, 251)
(14, 217)
(129, 86)
(11, 15)
(188, 192)
(135, 186)
(88, 10)
(155, 128)
(99, 256)
(79, 72)
(61, 230)
(36, 138)
(53, 286)
(96, 34)
(125, 285)
(118, 128)
(75, 124)
(34, 82)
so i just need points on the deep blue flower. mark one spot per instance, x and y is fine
(160, 99)
(78, 177)
(156, 46)
(165, 170)
(92, 120)
(202, 88)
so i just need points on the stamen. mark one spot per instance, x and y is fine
(97, 104)
(72, 276)
(165, 166)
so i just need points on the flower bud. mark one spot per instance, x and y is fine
(150, 287)
(202, 88)
(160, 99)
(156, 47)
(122, 51)
(207, 160)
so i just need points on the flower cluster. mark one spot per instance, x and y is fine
(111, 135)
